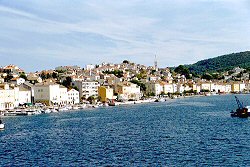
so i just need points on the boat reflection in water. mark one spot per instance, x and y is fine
(241, 111)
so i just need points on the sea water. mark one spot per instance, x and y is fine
(197, 131)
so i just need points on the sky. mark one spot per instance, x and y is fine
(44, 34)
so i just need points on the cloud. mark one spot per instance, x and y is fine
(4, 9)
(178, 32)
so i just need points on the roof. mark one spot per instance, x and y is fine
(28, 84)
(21, 88)
(61, 86)
(45, 84)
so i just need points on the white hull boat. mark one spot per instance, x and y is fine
(1, 126)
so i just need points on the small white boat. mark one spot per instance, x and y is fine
(63, 109)
(47, 111)
(53, 110)
(105, 104)
(95, 106)
(1, 124)
(82, 106)
(75, 108)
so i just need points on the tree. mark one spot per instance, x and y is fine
(91, 99)
(125, 62)
(67, 82)
(207, 76)
(162, 93)
(83, 98)
(117, 73)
(22, 75)
(151, 94)
(48, 76)
(163, 78)
(183, 71)
(142, 74)
(76, 88)
(54, 75)
(8, 78)
(61, 71)
(153, 71)
(43, 75)
(222, 63)
(204, 90)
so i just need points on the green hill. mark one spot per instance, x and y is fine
(221, 63)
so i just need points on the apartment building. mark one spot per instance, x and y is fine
(86, 88)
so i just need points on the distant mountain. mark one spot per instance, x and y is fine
(221, 63)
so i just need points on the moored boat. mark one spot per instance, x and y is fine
(63, 109)
(1, 124)
(111, 104)
(75, 108)
(241, 111)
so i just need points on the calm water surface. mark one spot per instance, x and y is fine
(181, 132)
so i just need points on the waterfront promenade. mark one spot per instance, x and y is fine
(42, 109)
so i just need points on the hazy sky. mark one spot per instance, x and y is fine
(43, 34)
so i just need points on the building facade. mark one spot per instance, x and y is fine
(105, 93)
(47, 93)
(73, 96)
(87, 88)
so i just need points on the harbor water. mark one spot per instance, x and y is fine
(197, 131)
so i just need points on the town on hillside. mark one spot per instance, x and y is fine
(68, 87)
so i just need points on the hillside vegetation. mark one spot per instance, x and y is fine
(221, 63)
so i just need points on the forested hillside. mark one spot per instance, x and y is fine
(222, 63)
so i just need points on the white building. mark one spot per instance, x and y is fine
(224, 88)
(169, 88)
(153, 78)
(73, 96)
(1, 80)
(217, 87)
(87, 88)
(127, 91)
(55, 94)
(8, 96)
(17, 80)
(47, 93)
(30, 87)
(206, 86)
(196, 87)
(154, 87)
(90, 67)
(24, 95)
(63, 97)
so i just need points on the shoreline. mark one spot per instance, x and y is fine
(36, 110)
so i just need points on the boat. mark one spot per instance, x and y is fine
(46, 111)
(105, 104)
(1, 124)
(15, 113)
(241, 111)
(159, 100)
(82, 106)
(111, 104)
(63, 109)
